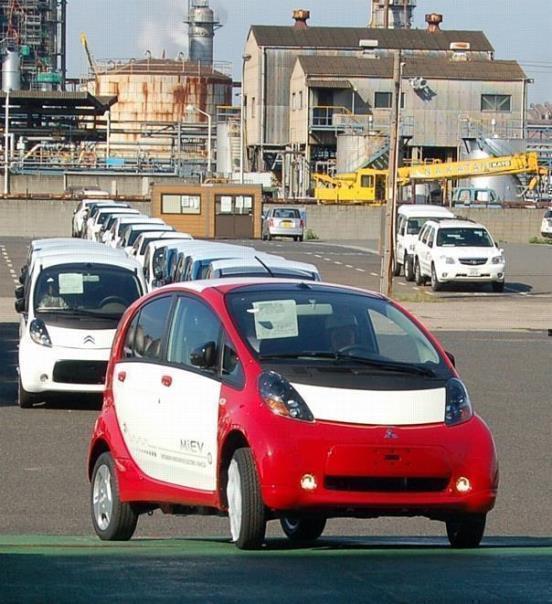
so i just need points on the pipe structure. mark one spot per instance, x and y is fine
(7, 144)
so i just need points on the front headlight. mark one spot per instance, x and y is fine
(39, 334)
(282, 398)
(458, 405)
(448, 259)
(498, 260)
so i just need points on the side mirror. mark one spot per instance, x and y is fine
(451, 358)
(19, 292)
(20, 305)
(430, 243)
(158, 272)
(204, 357)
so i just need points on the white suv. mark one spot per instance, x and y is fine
(546, 226)
(451, 251)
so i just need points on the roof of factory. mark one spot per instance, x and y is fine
(164, 67)
(350, 37)
(57, 98)
(437, 68)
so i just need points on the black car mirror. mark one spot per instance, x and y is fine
(19, 292)
(157, 272)
(23, 274)
(204, 357)
(451, 358)
(20, 305)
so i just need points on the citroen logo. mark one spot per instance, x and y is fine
(390, 434)
(89, 340)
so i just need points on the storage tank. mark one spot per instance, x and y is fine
(201, 31)
(507, 187)
(354, 150)
(11, 70)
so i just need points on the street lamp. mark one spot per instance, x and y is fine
(192, 109)
(245, 58)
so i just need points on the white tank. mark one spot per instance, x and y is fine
(507, 187)
(11, 71)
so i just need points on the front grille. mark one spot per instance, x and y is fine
(80, 372)
(386, 484)
(473, 261)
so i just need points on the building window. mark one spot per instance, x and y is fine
(233, 204)
(301, 99)
(181, 204)
(293, 101)
(383, 100)
(253, 107)
(496, 102)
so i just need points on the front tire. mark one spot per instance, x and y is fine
(436, 285)
(113, 520)
(466, 531)
(302, 529)
(25, 399)
(408, 268)
(498, 286)
(246, 510)
(418, 277)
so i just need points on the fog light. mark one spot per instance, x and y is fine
(463, 485)
(444, 275)
(500, 275)
(308, 482)
(43, 378)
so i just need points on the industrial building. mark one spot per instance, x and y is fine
(310, 92)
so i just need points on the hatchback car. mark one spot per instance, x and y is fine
(283, 222)
(458, 251)
(297, 401)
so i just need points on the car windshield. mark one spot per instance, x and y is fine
(86, 289)
(286, 213)
(303, 323)
(464, 237)
(414, 225)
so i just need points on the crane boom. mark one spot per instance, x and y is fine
(91, 62)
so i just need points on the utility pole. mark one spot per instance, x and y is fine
(386, 277)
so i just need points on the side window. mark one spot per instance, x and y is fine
(194, 327)
(430, 237)
(231, 369)
(423, 235)
(150, 329)
(128, 349)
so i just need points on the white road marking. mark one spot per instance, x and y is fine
(374, 274)
(328, 259)
(317, 256)
(337, 262)
(360, 270)
(349, 266)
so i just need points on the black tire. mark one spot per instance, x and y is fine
(301, 238)
(418, 277)
(466, 531)
(268, 237)
(498, 286)
(263, 237)
(122, 519)
(408, 268)
(25, 399)
(302, 529)
(250, 531)
(436, 285)
(396, 268)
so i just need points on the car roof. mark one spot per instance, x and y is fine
(205, 254)
(70, 244)
(199, 244)
(459, 223)
(132, 217)
(102, 250)
(424, 210)
(119, 260)
(271, 262)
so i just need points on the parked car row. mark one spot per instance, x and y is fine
(432, 245)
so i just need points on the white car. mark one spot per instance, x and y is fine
(91, 216)
(546, 225)
(197, 262)
(80, 211)
(410, 220)
(102, 216)
(140, 246)
(283, 222)
(112, 238)
(69, 315)
(132, 232)
(453, 251)
(262, 265)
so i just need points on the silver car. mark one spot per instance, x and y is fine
(283, 222)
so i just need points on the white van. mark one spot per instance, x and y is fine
(112, 238)
(262, 265)
(140, 247)
(198, 261)
(80, 212)
(69, 314)
(410, 220)
(102, 215)
(132, 232)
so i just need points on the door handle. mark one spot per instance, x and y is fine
(166, 380)
(121, 376)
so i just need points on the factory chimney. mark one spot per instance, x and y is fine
(433, 21)
(202, 24)
(301, 17)
(392, 14)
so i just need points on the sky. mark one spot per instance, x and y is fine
(518, 29)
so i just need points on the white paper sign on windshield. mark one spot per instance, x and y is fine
(275, 319)
(71, 283)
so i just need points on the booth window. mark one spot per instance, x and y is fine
(496, 102)
(234, 204)
(181, 204)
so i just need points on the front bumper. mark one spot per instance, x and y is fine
(485, 273)
(285, 232)
(44, 369)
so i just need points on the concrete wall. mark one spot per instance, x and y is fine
(511, 226)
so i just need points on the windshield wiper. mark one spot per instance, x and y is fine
(83, 312)
(337, 356)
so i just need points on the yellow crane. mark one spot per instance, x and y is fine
(368, 186)
(91, 61)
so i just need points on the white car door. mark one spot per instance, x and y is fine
(190, 396)
(137, 386)
(425, 252)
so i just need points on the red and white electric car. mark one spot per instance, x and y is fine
(297, 401)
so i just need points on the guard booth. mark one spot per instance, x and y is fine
(210, 211)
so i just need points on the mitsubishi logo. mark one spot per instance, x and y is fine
(89, 340)
(390, 434)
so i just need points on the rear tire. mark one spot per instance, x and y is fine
(113, 520)
(268, 237)
(436, 285)
(302, 529)
(246, 510)
(25, 399)
(498, 286)
(396, 268)
(408, 268)
(466, 531)
(418, 277)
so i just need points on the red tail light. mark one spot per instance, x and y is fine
(270, 222)
(302, 223)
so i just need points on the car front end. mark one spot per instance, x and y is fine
(471, 267)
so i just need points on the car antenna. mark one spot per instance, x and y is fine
(268, 270)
